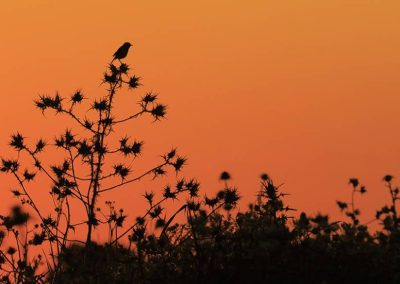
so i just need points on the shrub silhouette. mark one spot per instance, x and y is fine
(85, 172)
(211, 241)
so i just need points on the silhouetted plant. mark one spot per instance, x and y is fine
(86, 170)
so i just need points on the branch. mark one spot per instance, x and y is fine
(70, 113)
(134, 179)
(131, 117)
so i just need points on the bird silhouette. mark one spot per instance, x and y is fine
(122, 52)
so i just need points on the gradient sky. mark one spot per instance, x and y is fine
(307, 90)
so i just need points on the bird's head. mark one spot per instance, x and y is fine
(128, 44)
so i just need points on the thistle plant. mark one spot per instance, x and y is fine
(388, 214)
(87, 169)
(350, 208)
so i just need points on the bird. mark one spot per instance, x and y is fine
(122, 52)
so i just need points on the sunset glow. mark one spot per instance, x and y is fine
(307, 91)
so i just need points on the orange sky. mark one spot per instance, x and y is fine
(305, 90)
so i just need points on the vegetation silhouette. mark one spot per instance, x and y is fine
(212, 242)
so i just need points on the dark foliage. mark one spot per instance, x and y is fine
(261, 245)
